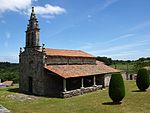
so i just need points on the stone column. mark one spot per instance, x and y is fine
(82, 84)
(94, 81)
(64, 85)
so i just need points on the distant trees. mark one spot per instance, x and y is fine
(142, 80)
(144, 59)
(107, 61)
(116, 88)
(131, 66)
(9, 71)
(140, 64)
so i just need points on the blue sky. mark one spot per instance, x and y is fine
(119, 29)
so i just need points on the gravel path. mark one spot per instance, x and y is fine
(22, 97)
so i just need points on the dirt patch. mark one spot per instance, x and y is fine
(22, 97)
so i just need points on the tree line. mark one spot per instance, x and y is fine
(131, 65)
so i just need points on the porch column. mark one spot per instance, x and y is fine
(64, 85)
(82, 84)
(94, 81)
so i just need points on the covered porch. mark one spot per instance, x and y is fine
(80, 85)
(80, 79)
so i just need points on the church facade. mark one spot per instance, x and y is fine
(58, 72)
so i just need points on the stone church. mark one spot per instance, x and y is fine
(58, 72)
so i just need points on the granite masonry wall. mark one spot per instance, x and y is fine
(107, 80)
(51, 60)
(31, 66)
(81, 91)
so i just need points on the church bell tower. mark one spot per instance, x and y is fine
(32, 32)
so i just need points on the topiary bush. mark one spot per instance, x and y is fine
(116, 88)
(142, 80)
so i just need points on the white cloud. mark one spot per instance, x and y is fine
(108, 3)
(24, 7)
(125, 53)
(14, 5)
(120, 37)
(121, 48)
(48, 16)
(59, 31)
(86, 45)
(48, 11)
(128, 55)
(140, 26)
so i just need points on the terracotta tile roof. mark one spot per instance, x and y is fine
(8, 83)
(71, 53)
(68, 71)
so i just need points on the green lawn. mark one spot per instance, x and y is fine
(95, 102)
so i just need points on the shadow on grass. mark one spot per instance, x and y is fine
(138, 91)
(111, 103)
(15, 90)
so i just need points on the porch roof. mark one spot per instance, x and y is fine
(68, 71)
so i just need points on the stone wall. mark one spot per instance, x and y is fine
(31, 65)
(81, 91)
(100, 80)
(51, 60)
(53, 85)
(107, 80)
(56, 60)
(126, 76)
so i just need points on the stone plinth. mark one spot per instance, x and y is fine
(81, 91)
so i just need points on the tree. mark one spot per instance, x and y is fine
(9, 71)
(142, 80)
(116, 88)
(107, 61)
(140, 64)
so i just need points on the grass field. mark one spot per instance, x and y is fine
(124, 67)
(95, 102)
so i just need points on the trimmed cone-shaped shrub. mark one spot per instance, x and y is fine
(142, 80)
(116, 88)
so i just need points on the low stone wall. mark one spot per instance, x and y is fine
(81, 91)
